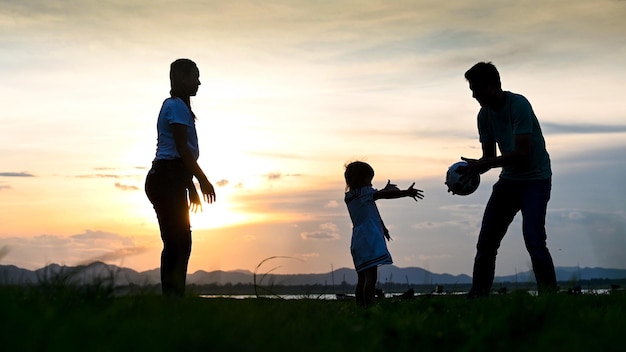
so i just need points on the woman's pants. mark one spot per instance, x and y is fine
(166, 188)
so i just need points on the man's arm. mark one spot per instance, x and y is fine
(489, 150)
(489, 159)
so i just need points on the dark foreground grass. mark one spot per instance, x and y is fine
(77, 320)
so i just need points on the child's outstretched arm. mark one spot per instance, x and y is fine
(391, 193)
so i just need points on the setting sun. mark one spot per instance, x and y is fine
(223, 213)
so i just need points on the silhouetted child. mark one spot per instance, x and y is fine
(368, 246)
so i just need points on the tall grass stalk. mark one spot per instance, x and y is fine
(257, 284)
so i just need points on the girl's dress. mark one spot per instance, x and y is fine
(368, 246)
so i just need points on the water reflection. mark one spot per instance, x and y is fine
(340, 296)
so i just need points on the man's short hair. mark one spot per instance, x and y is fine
(483, 74)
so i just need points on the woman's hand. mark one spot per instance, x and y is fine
(208, 192)
(194, 200)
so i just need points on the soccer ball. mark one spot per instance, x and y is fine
(458, 186)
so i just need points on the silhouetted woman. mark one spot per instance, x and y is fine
(169, 181)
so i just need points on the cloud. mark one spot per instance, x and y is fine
(109, 176)
(98, 176)
(588, 216)
(429, 257)
(276, 155)
(468, 222)
(424, 225)
(592, 232)
(575, 215)
(561, 128)
(273, 176)
(126, 187)
(16, 174)
(276, 175)
(94, 237)
(332, 204)
(3, 187)
(116, 254)
(463, 207)
(319, 235)
(327, 231)
(222, 183)
(91, 245)
(4, 250)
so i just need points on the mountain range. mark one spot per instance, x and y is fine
(10, 274)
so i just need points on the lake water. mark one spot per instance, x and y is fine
(326, 296)
(334, 297)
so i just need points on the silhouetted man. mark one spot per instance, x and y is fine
(507, 120)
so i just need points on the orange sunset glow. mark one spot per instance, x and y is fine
(291, 91)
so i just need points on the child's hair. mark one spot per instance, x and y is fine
(358, 174)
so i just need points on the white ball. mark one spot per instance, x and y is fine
(458, 186)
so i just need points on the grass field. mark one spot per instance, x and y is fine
(59, 318)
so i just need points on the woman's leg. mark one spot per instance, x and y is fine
(168, 195)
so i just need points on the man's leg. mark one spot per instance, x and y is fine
(499, 213)
(535, 201)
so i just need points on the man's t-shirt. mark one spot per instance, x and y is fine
(514, 118)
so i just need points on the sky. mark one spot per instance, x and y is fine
(291, 92)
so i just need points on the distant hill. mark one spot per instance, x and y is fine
(98, 271)
(569, 274)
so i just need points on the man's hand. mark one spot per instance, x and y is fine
(473, 168)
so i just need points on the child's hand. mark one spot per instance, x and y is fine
(390, 186)
(386, 232)
(415, 193)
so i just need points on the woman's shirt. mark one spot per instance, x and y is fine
(175, 111)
